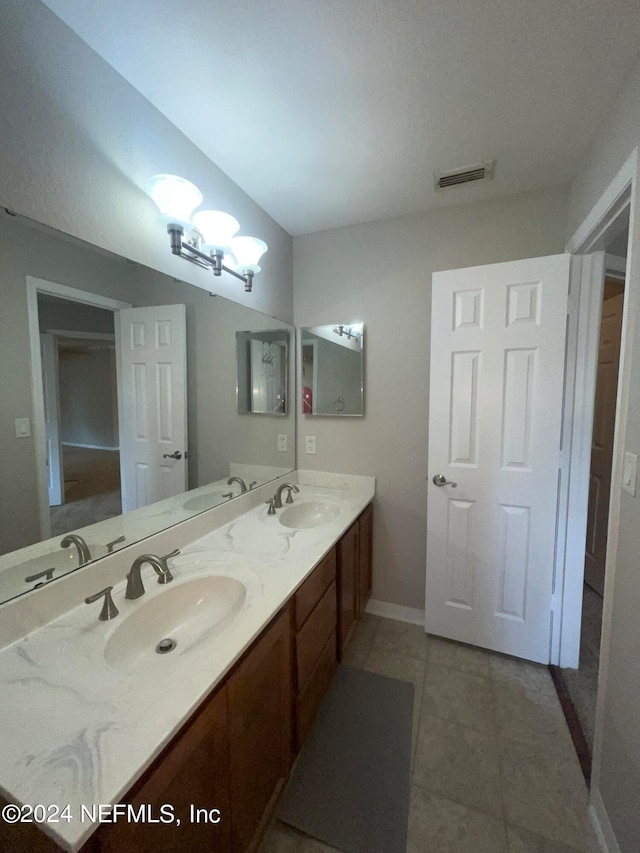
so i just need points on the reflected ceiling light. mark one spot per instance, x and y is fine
(354, 331)
(210, 232)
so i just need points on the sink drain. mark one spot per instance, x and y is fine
(167, 645)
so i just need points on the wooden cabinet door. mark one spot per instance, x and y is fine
(347, 585)
(365, 559)
(260, 731)
(194, 770)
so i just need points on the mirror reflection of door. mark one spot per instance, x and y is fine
(261, 372)
(81, 412)
(266, 373)
(153, 360)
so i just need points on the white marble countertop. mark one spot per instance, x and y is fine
(77, 730)
(134, 526)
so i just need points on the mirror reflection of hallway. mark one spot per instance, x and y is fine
(81, 412)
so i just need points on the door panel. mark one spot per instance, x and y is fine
(497, 368)
(153, 404)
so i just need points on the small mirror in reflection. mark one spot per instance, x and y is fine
(333, 370)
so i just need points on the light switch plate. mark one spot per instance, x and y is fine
(630, 473)
(23, 428)
(310, 444)
(282, 443)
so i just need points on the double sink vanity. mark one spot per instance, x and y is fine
(188, 706)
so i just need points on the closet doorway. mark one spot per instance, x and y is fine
(80, 400)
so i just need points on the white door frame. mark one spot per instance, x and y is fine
(623, 191)
(34, 287)
(587, 245)
(51, 400)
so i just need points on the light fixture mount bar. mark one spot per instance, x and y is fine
(212, 261)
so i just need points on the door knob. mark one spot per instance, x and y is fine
(441, 480)
(175, 455)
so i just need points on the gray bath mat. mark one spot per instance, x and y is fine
(350, 784)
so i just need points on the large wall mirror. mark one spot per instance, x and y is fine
(119, 403)
(333, 369)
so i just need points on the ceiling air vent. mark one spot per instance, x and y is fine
(464, 175)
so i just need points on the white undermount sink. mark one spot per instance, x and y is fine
(185, 613)
(310, 513)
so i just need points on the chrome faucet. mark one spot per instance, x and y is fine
(135, 587)
(277, 498)
(239, 481)
(84, 554)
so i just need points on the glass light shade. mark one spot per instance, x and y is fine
(176, 197)
(247, 252)
(217, 228)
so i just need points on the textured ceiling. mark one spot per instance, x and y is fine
(332, 112)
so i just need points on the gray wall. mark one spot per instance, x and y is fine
(78, 144)
(88, 402)
(390, 292)
(619, 779)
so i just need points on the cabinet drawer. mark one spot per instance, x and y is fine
(312, 589)
(313, 636)
(309, 700)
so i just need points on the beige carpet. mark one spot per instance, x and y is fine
(91, 489)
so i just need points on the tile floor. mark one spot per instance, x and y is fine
(494, 770)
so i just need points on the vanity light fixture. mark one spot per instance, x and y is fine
(210, 233)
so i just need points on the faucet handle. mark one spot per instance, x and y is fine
(109, 610)
(47, 574)
(111, 545)
(272, 506)
(252, 484)
(170, 554)
(167, 576)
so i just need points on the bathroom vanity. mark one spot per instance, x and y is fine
(199, 741)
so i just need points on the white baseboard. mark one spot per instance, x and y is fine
(395, 611)
(603, 837)
(88, 446)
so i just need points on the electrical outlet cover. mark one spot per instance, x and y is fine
(310, 444)
(282, 443)
(630, 473)
(23, 428)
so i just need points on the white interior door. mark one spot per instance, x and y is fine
(604, 418)
(497, 370)
(265, 377)
(51, 400)
(153, 403)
